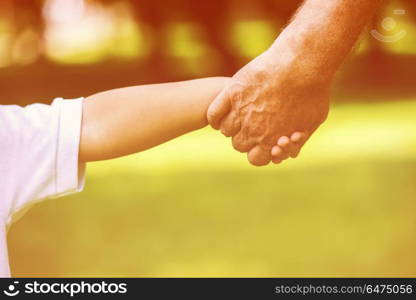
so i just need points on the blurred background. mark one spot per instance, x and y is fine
(195, 207)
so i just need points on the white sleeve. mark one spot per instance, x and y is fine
(40, 157)
(4, 259)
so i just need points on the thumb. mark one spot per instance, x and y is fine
(218, 109)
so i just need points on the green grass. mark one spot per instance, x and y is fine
(194, 207)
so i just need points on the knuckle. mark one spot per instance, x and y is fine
(235, 88)
(240, 146)
(234, 91)
(225, 131)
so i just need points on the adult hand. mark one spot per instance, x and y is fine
(286, 89)
(270, 98)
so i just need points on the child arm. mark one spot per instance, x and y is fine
(128, 120)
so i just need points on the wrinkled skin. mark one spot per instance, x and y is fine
(264, 102)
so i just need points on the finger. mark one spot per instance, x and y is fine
(299, 139)
(286, 145)
(291, 146)
(242, 143)
(259, 156)
(230, 125)
(283, 142)
(276, 161)
(296, 152)
(218, 109)
(277, 152)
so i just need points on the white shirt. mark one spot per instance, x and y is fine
(39, 147)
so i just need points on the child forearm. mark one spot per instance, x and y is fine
(128, 120)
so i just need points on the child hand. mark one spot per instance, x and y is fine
(288, 147)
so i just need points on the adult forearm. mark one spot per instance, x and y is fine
(287, 88)
(323, 33)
